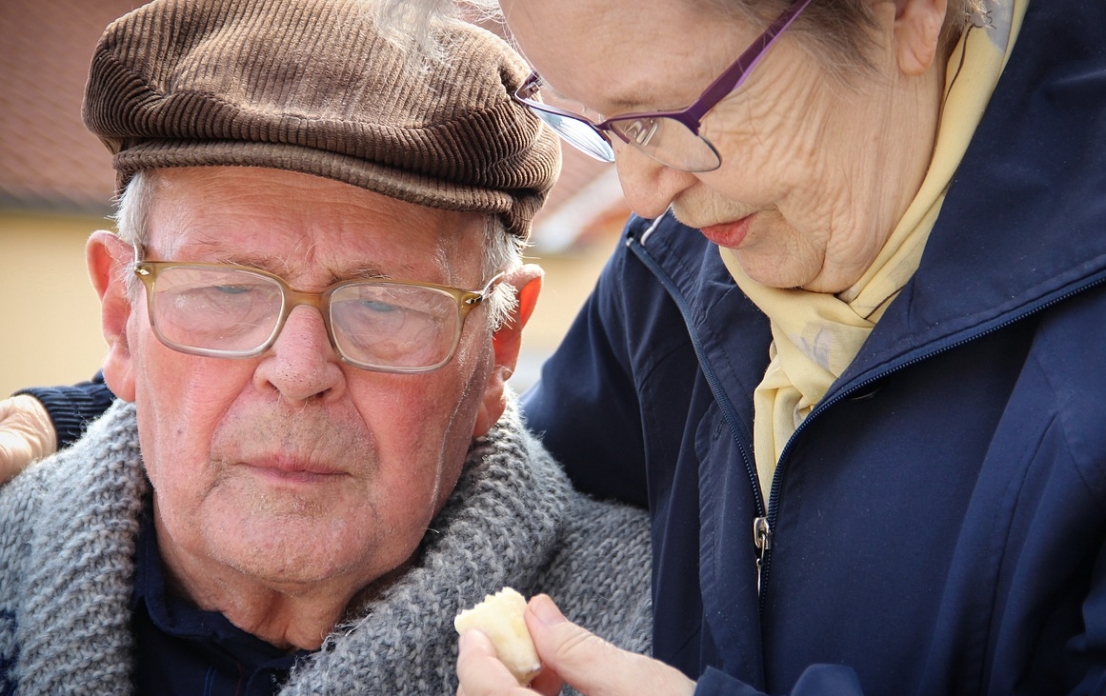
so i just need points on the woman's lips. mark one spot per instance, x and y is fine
(728, 234)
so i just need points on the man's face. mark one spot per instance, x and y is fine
(294, 468)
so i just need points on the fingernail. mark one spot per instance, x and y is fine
(546, 611)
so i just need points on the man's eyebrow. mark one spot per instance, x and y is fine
(364, 273)
(285, 268)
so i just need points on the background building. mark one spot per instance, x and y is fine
(56, 183)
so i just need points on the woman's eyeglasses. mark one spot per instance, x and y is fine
(670, 137)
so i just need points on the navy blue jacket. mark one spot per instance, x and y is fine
(937, 523)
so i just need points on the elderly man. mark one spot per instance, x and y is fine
(312, 307)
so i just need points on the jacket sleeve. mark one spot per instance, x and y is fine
(585, 407)
(72, 408)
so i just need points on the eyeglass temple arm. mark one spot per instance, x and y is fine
(482, 295)
(735, 74)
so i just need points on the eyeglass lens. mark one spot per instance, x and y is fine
(669, 142)
(666, 140)
(580, 134)
(235, 313)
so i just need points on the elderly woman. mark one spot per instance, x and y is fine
(862, 405)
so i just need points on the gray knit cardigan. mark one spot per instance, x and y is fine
(68, 531)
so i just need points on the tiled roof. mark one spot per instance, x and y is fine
(48, 160)
(47, 157)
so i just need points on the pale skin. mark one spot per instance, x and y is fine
(287, 484)
(26, 434)
(815, 174)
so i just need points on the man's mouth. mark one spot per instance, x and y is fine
(295, 470)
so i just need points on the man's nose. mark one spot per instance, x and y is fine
(649, 186)
(302, 364)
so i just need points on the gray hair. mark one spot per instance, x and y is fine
(502, 250)
(838, 29)
(412, 24)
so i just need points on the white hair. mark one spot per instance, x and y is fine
(412, 24)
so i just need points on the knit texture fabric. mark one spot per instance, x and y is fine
(312, 86)
(67, 567)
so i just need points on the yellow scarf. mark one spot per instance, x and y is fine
(816, 335)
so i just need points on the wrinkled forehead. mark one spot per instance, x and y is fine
(617, 56)
(301, 225)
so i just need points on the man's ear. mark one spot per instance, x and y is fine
(506, 344)
(917, 33)
(109, 259)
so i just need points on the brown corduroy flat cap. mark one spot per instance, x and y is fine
(312, 86)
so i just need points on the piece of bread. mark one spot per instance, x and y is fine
(499, 617)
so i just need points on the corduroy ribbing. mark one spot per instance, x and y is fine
(311, 86)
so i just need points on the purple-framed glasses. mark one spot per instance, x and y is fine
(670, 137)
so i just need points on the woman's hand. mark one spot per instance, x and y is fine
(569, 654)
(26, 434)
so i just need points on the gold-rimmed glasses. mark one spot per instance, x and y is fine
(229, 311)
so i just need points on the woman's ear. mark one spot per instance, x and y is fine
(917, 33)
(109, 259)
(506, 343)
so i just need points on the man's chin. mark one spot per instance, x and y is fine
(283, 538)
(296, 559)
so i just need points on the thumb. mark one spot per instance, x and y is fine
(593, 666)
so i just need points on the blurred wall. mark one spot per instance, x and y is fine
(50, 325)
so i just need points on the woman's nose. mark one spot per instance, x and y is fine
(649, 186)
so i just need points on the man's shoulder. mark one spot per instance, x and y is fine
(591, 556)
(66, 555)
(600, 575)
(28, 496)
(57, 497)
(591, 530)
(598, 527)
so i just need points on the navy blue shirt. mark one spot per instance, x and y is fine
(184, 650)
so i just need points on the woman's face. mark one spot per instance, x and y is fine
(815, 173)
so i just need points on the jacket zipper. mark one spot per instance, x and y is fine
(765, 520)
(762, 540)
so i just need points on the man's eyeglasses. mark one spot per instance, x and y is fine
(226, 311)
(670, 137)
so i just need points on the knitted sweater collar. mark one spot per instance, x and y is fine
(499, 527)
